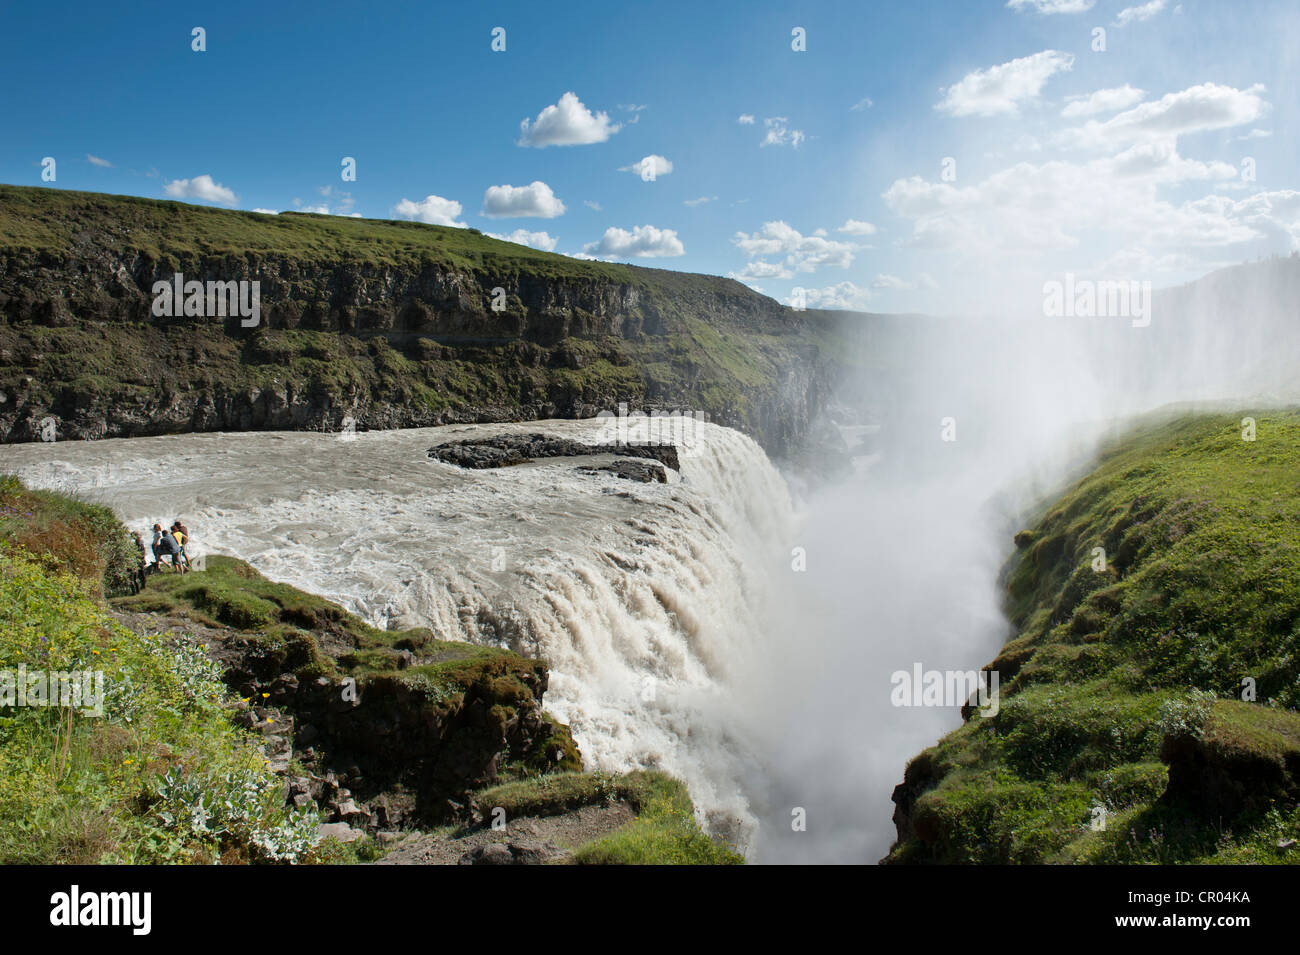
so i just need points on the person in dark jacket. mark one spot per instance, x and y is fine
(164, 545)
(138, 573)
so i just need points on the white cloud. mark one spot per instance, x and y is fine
(644, 241)
(864, 103)
(1139, 13)
(896, 284)
(1256, 134)
(857, 227)
(434, 210)
(1052, 6)
(779, 134)
(96, 161)
(200, 187)
(1004, 88)
(1103, 101)
(536, 240)
(535, 200)
(759, 269)
(1033, 209)
(745, 119)
(342, 207)
(802, 253)
(844, 295)
(649, 168)
(1193, 110)
(702, 200)
(591, 204)
(268, 212)
(567, 123)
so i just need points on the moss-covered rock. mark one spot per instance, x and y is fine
(425, 721)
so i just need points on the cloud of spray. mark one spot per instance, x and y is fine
(903, 558)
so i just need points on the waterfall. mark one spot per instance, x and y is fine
(647, 601)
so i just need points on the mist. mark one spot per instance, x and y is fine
(903, 556)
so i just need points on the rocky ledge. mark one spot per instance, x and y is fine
(382, 729)
(508, 449)
(647, 472)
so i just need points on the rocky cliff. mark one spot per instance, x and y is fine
(369, 324)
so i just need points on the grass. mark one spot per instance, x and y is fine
(79, 788)
(563, 792)
(664, 832)
(1123, 685)
(66, 532)
(48, 219)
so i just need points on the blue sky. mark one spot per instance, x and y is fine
(1142, 180)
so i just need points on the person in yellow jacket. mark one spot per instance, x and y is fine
(178, 532)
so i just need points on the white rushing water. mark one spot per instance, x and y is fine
(646, 600)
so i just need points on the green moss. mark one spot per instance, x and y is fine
(1200, 590)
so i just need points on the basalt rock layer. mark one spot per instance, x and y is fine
(370, 324)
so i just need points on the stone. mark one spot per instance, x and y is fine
(513, 853)
(338, 830)
(647, 472)
(494, 853)
(509, 449)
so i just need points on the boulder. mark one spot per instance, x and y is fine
(338, 830)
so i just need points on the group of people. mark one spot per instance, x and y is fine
(168, 545)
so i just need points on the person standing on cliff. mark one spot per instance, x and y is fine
(181, 536)
(164, 545)
(138, 573)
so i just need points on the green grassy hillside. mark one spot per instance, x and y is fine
(51, 220)
(1124, 686)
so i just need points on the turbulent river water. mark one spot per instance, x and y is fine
(651, 603)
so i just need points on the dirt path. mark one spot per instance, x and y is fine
(528, 840)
